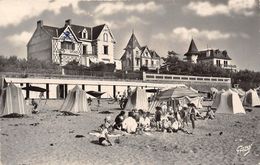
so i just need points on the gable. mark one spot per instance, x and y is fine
(106, 30)
(146, 53)
(68, 35)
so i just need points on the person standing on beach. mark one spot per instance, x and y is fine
(158, 115)
(192, 115)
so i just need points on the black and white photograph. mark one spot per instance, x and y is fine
(124, 82)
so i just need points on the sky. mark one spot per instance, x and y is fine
(163, 26)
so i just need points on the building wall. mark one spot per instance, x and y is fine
(40, 46)
(109, 58)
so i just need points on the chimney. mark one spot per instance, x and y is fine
(39, 23)
(67, 22)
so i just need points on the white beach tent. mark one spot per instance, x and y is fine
(239, 91)
(230, 103)
(216, 99)
(12, 101)
(251, 99)
(76, 101)
(138, 100)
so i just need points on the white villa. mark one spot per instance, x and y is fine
(212, 56)
(136, 56)
(72, 42)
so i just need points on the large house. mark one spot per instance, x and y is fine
(136, 56)
(72, 42)
(212, 56)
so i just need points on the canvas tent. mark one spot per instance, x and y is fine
(251, 99)
(216, 99)
(76, 101)
(239, 91)
(230, 103)
(138, 100)
(12, 101)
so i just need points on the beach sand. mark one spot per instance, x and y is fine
(48, 138)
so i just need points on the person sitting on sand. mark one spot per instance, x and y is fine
(175, 125)
(210, 114)
(129, 124)
(158, 115)
(145, 122)
(119, 120)
(35, 105)
(107, 123)
(103, 138)
(165, 123)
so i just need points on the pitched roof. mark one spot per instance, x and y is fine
(96, 31)
(133, 43)
(77, 29)
(154, 54)
(192, 49)
(53, 31)
(213, 54)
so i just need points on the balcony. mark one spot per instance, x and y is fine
(69, 52)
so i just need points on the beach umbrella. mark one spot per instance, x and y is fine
(95, 93)
(152, 90)
(34, 88)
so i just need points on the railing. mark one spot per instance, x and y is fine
(87, 75)
(169, 77)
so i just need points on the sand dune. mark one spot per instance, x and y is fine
(48, 138)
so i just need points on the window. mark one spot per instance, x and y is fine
(105, 37)
(146, 62)
(105, 49)
(85, 34)
(85, 49)
(218, 62)
(67, 45)
(137, 53)
(225, 63)
(152, 63)
(146, 53)
(137, 62)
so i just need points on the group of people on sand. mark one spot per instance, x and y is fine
(165, 119)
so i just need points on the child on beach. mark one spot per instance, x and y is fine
(35, 105)
(158, 115)
(119, 120)
(145, 122)
(103, 138)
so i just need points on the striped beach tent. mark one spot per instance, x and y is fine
(76, 101)
(12, 101)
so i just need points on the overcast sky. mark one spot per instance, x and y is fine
(231, 25)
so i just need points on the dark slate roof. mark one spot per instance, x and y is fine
(53, 31)
(192, 49)
(154, 54)
(213, 54)
(77, 29)
(133, 43)
(97, 30)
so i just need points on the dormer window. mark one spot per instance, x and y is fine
(84, 34)
(105, 37)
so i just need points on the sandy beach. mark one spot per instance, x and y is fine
(49, 138)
